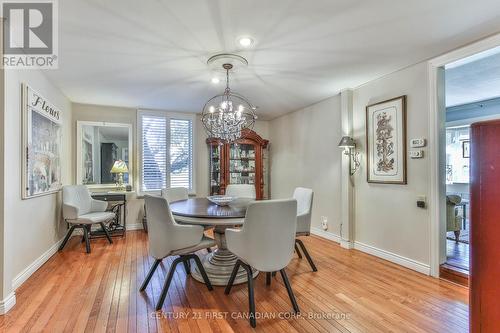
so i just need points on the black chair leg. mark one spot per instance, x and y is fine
(251, 299)
(233, 276)
(290, 291)
(308, 257)
(187, 266)
(298, 251)
(268, 278)
(273, 274)
(150, 274)
(202, 271)
(106, 232)
(166, 285)
(209, 250)
(86, 236)
(66, 238)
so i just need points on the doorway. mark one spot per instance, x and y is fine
(472, 94)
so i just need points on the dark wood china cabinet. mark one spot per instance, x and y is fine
(242, 162)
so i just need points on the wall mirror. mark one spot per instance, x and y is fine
(99, 146)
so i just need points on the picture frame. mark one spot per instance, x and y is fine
(41, 145)
(386, 149)
(466, 149)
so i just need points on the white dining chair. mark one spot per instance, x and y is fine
(167, 238)
(241, 191)
(266, 243)
(80, 210)
(173, 194)
(304, 197)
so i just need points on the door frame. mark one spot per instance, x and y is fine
(437, 153)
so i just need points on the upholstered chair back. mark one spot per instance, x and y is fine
(164, 234)
(304, 197)
(174, 194)
(241, 191)
(266, 241)
(77, 196)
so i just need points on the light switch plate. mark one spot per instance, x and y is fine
(417, 143)
(416, 153)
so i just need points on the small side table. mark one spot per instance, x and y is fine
(119, 201)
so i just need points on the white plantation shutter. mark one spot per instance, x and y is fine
(167, 151)
(181, 153)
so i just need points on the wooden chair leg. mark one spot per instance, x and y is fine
(166, 285)
(106, 232)
(308, 257)
(150, 274)
(233, 276)
(67, 237)
(290, 291)
(202, 272)
(87, 238)
(268, 278)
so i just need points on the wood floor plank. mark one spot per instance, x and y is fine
(351, 292)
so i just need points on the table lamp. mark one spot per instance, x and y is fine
(120, 167)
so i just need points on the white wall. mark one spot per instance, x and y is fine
(386, 216)
(304, 152)
(32, 226)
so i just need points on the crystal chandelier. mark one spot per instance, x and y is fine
(224, 116)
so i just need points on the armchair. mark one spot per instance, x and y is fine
(453, 219)
(81, 211)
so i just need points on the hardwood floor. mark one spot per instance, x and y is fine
(351, 292)
(457, 254)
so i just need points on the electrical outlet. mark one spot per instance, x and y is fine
(324, 222)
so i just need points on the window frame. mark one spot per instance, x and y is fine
(169, 116)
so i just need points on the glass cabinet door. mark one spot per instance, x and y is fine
(215, 170)
(241, 164)
(265, 173)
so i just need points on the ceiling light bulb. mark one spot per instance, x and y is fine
(240, 108)
(211, 109)
(215, 80)
(246, 41)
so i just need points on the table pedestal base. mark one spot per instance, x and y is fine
(220, 263)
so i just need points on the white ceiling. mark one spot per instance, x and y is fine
(473, 79)
(152, 54)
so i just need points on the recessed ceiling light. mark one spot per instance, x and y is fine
(245, 41)
(215, 80)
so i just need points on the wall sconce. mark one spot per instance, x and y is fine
(347, 143)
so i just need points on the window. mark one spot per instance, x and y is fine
(166, 144)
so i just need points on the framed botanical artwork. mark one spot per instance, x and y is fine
(466, 149)
(42, 144)
(386, 141)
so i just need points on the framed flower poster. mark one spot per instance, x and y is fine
(386, 141)
(42, 143)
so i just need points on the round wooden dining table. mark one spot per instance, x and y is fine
(200, 211)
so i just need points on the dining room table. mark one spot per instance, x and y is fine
(200, 211)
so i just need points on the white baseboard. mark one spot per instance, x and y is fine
(7, 303)
(346, 244)
(134, 226)
(389, 256)
(395, 258)
(28, 271)
(325, 234)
